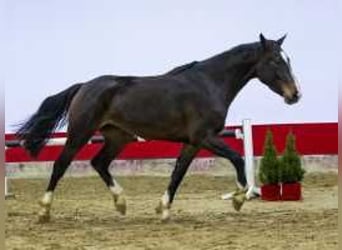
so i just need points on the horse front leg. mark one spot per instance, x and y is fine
(216, 145)
(186, 156)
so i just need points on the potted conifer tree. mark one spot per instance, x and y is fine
(291, 171)
(269, 171)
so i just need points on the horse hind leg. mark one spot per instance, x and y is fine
(115, 140)
(183, 162)
(73, 144)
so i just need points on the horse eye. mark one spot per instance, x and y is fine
(272, 63)
(277, 58)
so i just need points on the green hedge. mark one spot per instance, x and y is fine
(284, 169)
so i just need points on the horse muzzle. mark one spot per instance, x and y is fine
(290, 93)
(292, 99)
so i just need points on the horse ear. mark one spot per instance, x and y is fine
(281, 40)
(263, 40)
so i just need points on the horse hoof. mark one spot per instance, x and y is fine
(43, 218)
(44, 205)
(44, 213)
(165, 215)
(120, 205)
(238, 201)
(164, 211)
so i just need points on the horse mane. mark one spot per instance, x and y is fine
(243, 50)
(182, 68)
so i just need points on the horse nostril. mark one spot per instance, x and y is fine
(297, 96)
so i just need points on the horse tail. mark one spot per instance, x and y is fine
(50, 116)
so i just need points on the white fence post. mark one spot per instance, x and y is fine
(7, 192)
(6, 188)
(253, 191)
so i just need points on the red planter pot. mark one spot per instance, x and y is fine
(291, 191)
(270, 192)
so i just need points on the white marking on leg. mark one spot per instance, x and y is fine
(116, 189)
(140, 139)
(166, 199)
(45, 204)
(119, 197)
(240, 187)
(238, 184)
(47, 198)
(166, 214)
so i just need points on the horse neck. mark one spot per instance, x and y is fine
(231, 70)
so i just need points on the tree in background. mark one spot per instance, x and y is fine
(269, 164)
(290, 163)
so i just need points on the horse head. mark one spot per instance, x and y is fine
(274, 70)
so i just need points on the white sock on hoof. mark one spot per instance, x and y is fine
(119, 198)
(116, 189)
(166, 214)
(47, 198)
(238, 184)
(45, 204)
(165, 200)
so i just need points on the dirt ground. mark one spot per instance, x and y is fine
(83, 216)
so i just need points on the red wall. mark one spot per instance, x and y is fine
(311, 138)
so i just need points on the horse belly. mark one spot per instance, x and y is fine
(150, 118)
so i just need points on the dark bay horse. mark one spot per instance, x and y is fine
(188, 105)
